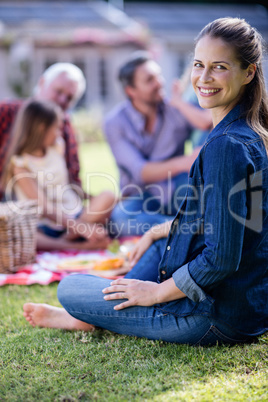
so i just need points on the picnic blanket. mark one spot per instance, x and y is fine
(49, 266)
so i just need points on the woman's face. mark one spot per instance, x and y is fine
(217, 77)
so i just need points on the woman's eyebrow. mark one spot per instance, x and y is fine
(221, 61)
(215, 62)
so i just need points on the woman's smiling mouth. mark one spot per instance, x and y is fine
(208, 91)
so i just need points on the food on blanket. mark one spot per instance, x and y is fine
(101, 265)
(110, 263)
(76, 265)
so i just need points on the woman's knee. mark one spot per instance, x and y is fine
(75, 290)
(67, 289)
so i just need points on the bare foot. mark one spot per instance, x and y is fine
(44, 315)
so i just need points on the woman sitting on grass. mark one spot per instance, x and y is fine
(36, 169)
(207, 282)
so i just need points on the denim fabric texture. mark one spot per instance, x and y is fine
(217, 248)
(216, 252)
(82, 297)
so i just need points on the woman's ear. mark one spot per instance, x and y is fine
(250, 73)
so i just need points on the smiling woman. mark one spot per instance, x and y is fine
(189, 284)
(228, 63)
(217, 77)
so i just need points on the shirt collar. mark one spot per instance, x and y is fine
(234, 114)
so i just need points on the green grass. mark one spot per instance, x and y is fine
(54, 365)
(98, 168)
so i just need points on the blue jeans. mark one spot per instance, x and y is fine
(137, 214)
(82, 297)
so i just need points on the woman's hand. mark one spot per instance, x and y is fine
(155, 233)
(139, 249)
(137, 293)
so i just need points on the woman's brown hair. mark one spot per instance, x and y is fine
(248, 45)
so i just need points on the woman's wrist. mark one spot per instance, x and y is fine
(168, 291)
(150, 235)
(161, 230)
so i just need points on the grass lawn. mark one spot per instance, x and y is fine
(98, 168)
(54, 365)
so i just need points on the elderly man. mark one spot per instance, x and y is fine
(62, 83)
(147, 135)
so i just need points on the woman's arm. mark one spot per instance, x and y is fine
(227, 165)
(144, 293)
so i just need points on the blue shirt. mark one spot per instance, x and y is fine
(133, 147)
(217, 249)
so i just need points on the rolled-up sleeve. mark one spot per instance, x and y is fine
(187, 285)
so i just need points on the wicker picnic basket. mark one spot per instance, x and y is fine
(18, 222)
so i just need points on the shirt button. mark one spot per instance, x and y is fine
(163, 272)
(168, 248)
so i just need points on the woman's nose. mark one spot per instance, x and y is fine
(205, 76)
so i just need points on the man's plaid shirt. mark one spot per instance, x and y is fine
(8, 111)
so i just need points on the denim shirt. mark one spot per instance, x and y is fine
(217, 248)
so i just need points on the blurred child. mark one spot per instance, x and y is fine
(36, 169)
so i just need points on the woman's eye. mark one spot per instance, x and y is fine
(219, 67)
(197, 65)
